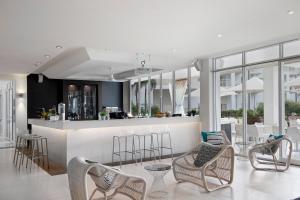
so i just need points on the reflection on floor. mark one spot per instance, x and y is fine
(5, 143)
(248, 184)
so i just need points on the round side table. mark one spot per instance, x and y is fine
(158, 187)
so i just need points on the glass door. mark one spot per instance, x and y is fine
(74, 102)
(291, 102)
(89, 102)
(231, 106)
(7, 114)
(262, 102)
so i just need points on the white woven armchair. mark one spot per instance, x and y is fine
(214, 174)
(263, 156)
(107, 180)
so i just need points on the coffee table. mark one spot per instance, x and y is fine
(158, 187)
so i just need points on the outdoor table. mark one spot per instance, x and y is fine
(158, 187)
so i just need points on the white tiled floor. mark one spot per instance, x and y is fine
(248, 184)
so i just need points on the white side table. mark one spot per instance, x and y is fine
(158, 188)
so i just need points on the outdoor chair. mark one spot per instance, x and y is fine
(108, 181)
(214, 174)
(264, 156)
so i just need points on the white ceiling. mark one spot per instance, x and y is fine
(32, 28)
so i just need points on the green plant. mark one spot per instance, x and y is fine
(260, 109)
(103, 114)
(134, 109)
(292, 107)
(253, 116)
(232, 113)
(154, 110)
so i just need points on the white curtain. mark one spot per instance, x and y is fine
(180, 90)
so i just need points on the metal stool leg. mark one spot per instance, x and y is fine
(120, 152)
(168, 146)
(125, 149)
(171, 147)
(113, 150)
(16, 148)
(44, 143)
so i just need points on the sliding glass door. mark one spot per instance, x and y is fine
(262, 101)
(231, 106)
(291, 100)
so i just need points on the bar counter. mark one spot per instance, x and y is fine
(93, 139)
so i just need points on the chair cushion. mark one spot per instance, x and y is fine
(206, 153)
(273, 138)
(204, 135)
(274, 147)
(101, 177)
(215, 139)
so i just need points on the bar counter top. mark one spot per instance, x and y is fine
(67, 124)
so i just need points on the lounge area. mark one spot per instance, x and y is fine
(142, 100)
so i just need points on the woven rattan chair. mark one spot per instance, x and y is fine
(263, 156)
(119, 183)
(214, 174)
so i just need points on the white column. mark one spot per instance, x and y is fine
(233, 97)
(206, 96)
(271, 95)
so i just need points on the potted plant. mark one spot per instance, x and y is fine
(102, 115)
(45, 115)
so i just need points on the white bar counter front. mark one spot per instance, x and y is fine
(94, 139)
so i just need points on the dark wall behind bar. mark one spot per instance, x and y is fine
(53, 91)
(42, 95)
(112, 94)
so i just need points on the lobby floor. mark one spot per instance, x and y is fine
(248, 184)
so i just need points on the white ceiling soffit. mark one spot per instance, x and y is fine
(89, 64)
(170, 28)
(83, 62)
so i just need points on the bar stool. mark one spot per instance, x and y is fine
(120, 141)
(33, 151)
(18, 148)
(44, 150)
(163, 144)
(152, 148)
(34, 147)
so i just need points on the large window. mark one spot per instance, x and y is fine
(176, 92)
(268, 53)
(181, 92)
(291, 48)
(231, 106)
(229, 61)
(155, 94)
(134, 96)
(195, 91)
(291, 99)
(167, 91)
(144, 96)
(260, 96)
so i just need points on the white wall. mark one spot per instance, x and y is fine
(21, 103)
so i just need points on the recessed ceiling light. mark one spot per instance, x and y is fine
(174, 50)
(59, 47)
(219, 35)
(47, 56)
(291, 12)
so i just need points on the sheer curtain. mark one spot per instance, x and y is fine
(180, 90)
